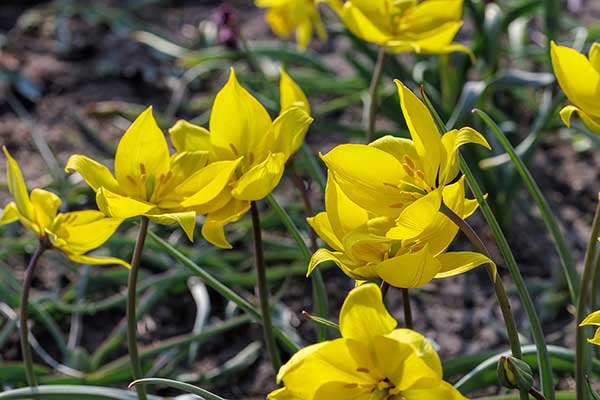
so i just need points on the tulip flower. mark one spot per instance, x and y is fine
(242, 132)
(372, 360)
(427, 26)
(148, 181)
(579, 77)
(363, 251)
(404, 177)
(74, 233)
(593, 319)
(287, 16)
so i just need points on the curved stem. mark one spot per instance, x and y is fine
(263, 290)
(24, 312)
(581, 358)
(136, 366)
(408, 320)
(509, 321)
(373, 103)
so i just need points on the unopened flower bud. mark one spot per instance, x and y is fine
(514, 373)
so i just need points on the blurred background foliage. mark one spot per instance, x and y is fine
(74, 73)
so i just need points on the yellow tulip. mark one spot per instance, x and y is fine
(242, 132)
(150, 182)
(427, 26)
(593, 319)
(287, 16)
(74, 233)
(372, 360)
(579, 78)
(363, 251)
(401, 178)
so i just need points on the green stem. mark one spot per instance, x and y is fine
(24, 329)
(408, 319)
(581, 358)
(263, 290)
(318, 285)
(509, 322)
(373, 103)
(136, 366)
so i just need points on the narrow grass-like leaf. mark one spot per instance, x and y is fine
(566, 258)
(71, 392)
(185, 387)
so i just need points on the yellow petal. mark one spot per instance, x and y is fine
(316, 366)
(182, 166)
(429, 15)
(423, 131)
(363, 315)
(212, 230)
(591, 319)
(399, 148)
(289, 130)
(416, 217)
(409, 270)
(442, 231)
(284, 394)
(577, 77)
(206, 184)
(142, 153)
(443, 391)
(115, 205)
(344, 215)
(358, 272)
(304, 33)
(322, 227)
(455, 263)
(593, 123)
(9, 214)
(82, 231)
(452, 141)
(360, 25)
(407, 360)
(189, 137)
(45, 205)
(280, 22)
(17, 187)
(186, 219)
(92, 260)
(95, 174)
(374, 188)
(261, 179)
(596, 339)
(237, 121)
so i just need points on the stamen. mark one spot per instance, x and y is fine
(408, 169)
(142, 169)
(362, 369)
(235, 152)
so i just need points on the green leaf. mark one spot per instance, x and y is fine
(566, 257)
(186, 387)
(71, 392)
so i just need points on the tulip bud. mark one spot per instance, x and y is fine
(514, 373)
